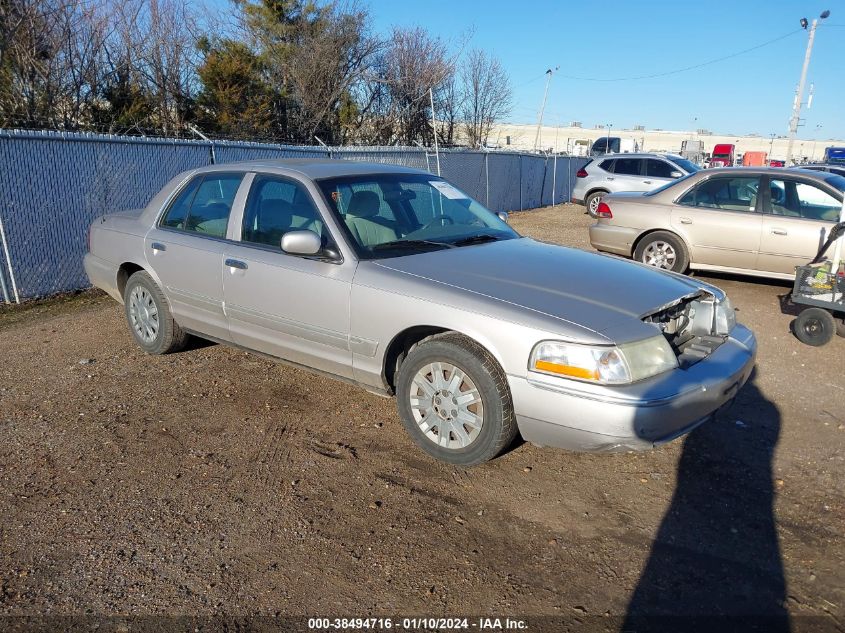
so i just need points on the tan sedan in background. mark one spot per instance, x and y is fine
(760, 222)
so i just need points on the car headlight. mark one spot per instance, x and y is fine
(614, 365)
(724, 318)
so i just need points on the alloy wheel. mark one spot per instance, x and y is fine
(660, 254)
(446, 405)
(144, 314)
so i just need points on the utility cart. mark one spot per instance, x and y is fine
(820, 288)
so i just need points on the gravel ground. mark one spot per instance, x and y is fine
(213, 482)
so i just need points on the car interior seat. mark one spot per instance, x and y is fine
(364, 223)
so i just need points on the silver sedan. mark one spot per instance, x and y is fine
(762, 222)
(397, 281)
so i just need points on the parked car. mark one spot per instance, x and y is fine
(632, 172)
(777, 162)
(395, 280)
(614, 145)
(833, 169)
(752, 221)
(723, 155)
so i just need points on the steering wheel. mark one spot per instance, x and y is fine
(439, 219)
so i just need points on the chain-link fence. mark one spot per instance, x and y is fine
(52, 186)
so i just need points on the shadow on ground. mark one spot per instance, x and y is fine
(715, 564)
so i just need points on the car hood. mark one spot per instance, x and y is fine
(591, 290)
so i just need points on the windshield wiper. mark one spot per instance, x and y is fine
(477, 239)
(409, 244)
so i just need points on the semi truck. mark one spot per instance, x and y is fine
(723, 155)
(754, 159)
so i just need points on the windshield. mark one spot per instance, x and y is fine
(687, 165)
(671, 183)
(388, 215)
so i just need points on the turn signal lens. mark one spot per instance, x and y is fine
(603, 211)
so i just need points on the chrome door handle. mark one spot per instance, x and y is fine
(646, 182)
(778, 232)
(685, 220)
(236, 263)
(158, 246)
(610, 177)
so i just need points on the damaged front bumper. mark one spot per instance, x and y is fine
(640, 416)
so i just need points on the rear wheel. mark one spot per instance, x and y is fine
(149, 318)
(592, 202)
(662, 249)
(814, 326)
(454, 400)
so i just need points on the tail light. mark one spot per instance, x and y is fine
(581, 173)
(603, 211)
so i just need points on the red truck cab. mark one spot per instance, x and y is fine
(723, 155)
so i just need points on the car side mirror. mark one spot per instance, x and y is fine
(301, 243)
(676, 174)
(503, 216)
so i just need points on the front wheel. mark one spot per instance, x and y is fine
(662, 249)
(454, 400)
(815, 326)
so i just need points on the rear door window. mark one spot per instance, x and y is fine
(204, 206)
(607, 165)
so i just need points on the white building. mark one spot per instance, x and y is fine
(572, 138)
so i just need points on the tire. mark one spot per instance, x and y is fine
(464, 443)
(840, 327)
(593, 200)
(149, 318)
(814, 326)
(664, 250)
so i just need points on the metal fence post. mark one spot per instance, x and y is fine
(520, 181)
(487, 176)
(554, 179)
(8, 262)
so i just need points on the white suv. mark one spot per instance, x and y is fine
(613, 173)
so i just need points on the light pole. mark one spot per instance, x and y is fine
(771, 145)
(549, 74)
(799, 95)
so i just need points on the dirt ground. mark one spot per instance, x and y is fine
(215, 482)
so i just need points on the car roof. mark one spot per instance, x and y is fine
(313, 168)
(640, 155)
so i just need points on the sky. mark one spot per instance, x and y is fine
(749, 93)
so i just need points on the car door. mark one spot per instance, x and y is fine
(290, 306)
(627, 175)
(798, 217)
(720, 219)
(185, 250)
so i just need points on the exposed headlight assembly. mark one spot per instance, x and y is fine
(612, 365)
(724, 317)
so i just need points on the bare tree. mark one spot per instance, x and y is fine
(334, 56)
(487, 96)
(414, 63)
